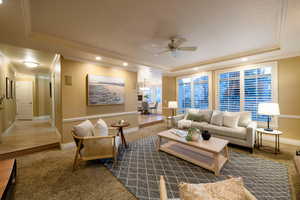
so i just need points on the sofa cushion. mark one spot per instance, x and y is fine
(184, 123)
(239, 132)
(101, 128)
(217, 118)
(230, 121)
(199, 125)
(245, 119)
(84, 129)
(195, 116)
(206, 115)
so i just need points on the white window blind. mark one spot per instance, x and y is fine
(200, 92)
(193, 92)
(257, 89)
(229, 91)
(243, 88)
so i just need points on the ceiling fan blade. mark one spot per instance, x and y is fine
(187, 48)
(162, 52)
(178, 42)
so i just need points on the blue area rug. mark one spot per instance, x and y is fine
(140, 166)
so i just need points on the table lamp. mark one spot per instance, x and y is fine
(173, 105)
(270, 109)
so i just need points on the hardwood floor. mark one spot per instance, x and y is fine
(150, 119)
(27, 137)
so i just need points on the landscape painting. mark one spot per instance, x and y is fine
(103, 90)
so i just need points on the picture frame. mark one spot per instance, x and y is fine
(7, 88)
(12, 89)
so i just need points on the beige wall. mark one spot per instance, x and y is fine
(74, 97)
(43, 96)
(8, 108)
(168, 93)
(288, 94)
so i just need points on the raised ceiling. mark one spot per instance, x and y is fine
(135, 30)
(18, 55)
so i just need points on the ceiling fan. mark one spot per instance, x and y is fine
(175, 46)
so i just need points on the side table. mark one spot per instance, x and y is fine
(120, 126)
(275, 133)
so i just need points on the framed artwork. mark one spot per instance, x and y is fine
(7, 88)
(12, 89)
(103, 90)
(50, 89)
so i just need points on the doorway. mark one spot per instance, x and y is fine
(24, 99)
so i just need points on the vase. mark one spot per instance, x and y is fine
(205, 135)
(193, 134)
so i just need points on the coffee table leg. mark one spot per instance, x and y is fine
(216, 160)
(158, 143)
(227, 152)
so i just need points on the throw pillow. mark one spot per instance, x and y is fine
(230, 189)
(230, 120)
(245, 119)
(83, 129)
(217, 118)
(184, 123)
(194, 117)
(101, 128)
(206, 115)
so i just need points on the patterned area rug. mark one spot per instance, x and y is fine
(140, 166)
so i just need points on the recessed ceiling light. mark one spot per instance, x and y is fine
(125, 64)
(98, 58)
(244, 59)
(1, 1)
(31, 64)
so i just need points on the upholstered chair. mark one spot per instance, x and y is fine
(91, 145)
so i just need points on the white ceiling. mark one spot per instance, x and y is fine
(134, 30)
(17, 56)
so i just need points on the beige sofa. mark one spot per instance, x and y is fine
(243, 134)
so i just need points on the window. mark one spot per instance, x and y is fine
(229, 90)
(200, 92)
(242, 89)
(258, 89)
(193, 92)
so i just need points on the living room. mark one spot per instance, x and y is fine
(150, 99)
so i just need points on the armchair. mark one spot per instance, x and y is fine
(95, 147)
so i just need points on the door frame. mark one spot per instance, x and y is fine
(20, 116)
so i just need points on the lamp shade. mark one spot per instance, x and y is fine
(268, 109)
(172, 104)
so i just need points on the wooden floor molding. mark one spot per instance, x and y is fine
(31, 150)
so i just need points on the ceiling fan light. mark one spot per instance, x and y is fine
(31, 64)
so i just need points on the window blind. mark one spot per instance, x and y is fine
(229, 91)
(200, 92)
(193, 92)
(257, 89)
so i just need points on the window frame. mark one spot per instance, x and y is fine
(194, 76)
(274, 75)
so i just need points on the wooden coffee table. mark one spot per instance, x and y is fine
(210, 154)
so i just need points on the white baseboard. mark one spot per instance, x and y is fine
(282, 140)
(44, 117)
(8, 130)
(69, 145)
(130, 130)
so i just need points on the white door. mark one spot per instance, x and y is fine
(24, 99)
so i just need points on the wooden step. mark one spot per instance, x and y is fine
(22, 152)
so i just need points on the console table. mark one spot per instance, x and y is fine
(8, 172)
